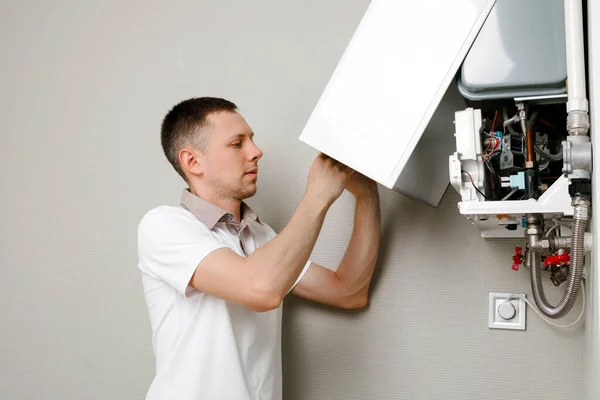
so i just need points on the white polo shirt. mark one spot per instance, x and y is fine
(205, 347)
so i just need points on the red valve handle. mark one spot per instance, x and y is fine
(557, 259)
(517, 259)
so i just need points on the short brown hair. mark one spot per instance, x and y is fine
(181, 126)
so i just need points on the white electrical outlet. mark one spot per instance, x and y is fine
(505, 314)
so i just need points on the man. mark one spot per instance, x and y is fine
(214, 274)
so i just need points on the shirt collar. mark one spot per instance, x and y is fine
(209, 214)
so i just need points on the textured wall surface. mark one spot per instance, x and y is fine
(86, 85)
(425, 334)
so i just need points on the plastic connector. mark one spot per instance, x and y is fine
(580, 187)
(518, 181)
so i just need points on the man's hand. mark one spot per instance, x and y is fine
(327, 179)
(361, 186)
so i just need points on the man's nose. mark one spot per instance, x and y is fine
(256, 153)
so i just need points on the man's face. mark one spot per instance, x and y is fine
(231, 156)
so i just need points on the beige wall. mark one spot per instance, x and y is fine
(85, 86)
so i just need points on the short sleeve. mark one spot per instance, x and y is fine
(271, 234)
(306, 266)
(171, 244)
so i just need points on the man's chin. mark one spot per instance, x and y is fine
(248, 192)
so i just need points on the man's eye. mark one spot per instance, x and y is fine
(236, 144)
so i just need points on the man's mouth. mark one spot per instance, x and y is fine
(253, 171)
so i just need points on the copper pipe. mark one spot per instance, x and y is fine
(530, 137)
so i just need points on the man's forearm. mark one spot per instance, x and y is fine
(356, 269)
(279, 263)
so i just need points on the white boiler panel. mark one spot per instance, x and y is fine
(388, 84)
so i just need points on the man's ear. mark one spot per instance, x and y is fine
(192, 161)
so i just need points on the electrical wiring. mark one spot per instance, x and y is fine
(474, 186)
(510, 194)
(557, 223)
(519, 296)
(489, 166)
(485, 152)
(494, 141)
(494, 121)
(486, 156)
(495, 178)
(491, 169)
(551, 157)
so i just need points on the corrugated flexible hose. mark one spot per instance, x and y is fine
(581, 207)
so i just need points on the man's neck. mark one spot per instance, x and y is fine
(232, 206)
